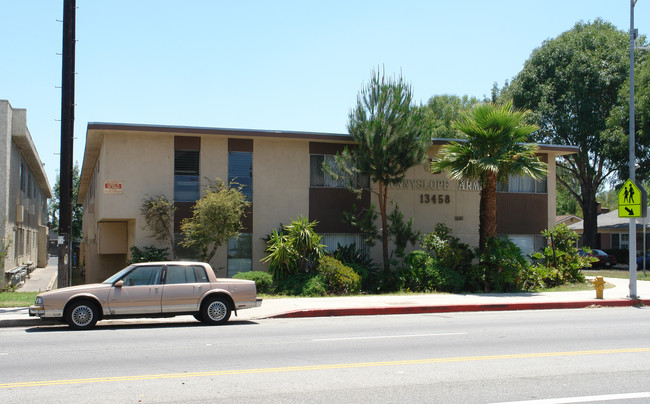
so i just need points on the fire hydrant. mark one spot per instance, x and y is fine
(599, 285)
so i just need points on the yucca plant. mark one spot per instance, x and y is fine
(305, 241)
(282, 257)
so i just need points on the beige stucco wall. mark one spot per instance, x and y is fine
(280, 188)
(144, 165)
(456, 205)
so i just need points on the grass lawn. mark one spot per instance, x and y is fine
(613, 273)
(574, 287)
(17, 299)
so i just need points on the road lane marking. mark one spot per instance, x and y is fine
(584, 399)
(317, 367)
(389, 336)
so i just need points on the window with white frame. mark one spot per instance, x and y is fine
(620, 241)
(332, 241)
(528, 243)
(319, 178)
(523, 184)
(625, 241)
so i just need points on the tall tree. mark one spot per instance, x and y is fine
(572, 83)
(77, 208)
(441, 111)
(391, 138)
(216, 217)
(618, 123)
(495, 149)
(158, 212)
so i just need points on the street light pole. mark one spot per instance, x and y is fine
(632, 162)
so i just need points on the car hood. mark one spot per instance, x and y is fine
(79, 288)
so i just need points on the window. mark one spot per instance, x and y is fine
(23, 174)
(620, 241)
(523, 184)
(145, 275)
(333, 240)
(240, 254)
(319, 178)
(20, 247)
(185, 274)
(625, 241)
(528, 243)
(240, 171)
(186, 175)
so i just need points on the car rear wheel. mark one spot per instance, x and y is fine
(82, 315)
(215, 310)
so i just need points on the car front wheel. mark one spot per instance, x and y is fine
(215, 310)
(82, 315)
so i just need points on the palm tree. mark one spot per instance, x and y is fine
(495, 149)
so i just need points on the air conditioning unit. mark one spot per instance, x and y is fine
(20, 213)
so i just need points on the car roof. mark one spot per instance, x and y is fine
(170, 263)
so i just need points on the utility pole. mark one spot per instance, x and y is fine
(67, 136)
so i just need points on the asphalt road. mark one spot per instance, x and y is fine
(602, 354)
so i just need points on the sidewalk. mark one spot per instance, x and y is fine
(42, 279)
(398, 304)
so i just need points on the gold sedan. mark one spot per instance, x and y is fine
(153, 289)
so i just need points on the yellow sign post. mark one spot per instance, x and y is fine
(632, 200)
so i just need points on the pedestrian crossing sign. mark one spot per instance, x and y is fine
(632, 200)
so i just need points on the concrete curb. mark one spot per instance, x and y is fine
(371, 311)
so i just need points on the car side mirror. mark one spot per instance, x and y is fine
(119, 284)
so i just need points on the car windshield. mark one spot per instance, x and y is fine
(118, 275)
(599, 252)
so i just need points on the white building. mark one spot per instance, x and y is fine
(24, 192)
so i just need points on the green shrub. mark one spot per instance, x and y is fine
(361, 263)
(560, 262)
(503, 266)
(292, 285)
(339, 279)
(314, 287)
(147, 254)
(423, 273)
(452, 254)
(306, 285)
(263, 280)
(412, 274)
(351, 254)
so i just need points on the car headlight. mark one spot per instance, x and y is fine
(39, 301)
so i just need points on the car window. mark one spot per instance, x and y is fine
(118, 275)
(180, 274)
(200, 274)
(143, 275)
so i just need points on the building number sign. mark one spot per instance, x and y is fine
(433, 198)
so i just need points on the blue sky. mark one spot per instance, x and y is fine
(282, 65)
